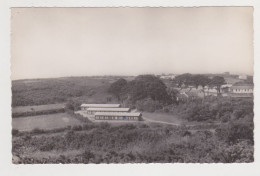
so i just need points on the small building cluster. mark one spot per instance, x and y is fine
(110, 112)
(170, 76)
(241, 90)
(236, 90)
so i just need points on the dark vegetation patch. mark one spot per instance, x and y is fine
(35, 113)
(103, 143)
(59, 90)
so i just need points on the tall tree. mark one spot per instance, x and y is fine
(148, 86)
(184, 79)
(217, 81)
(200, 80)
(117, 88)
(188, 79)
(172, 94)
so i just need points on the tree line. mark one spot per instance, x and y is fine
(197, 80)
(142, 87)
(150, 86)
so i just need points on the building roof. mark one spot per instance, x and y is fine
(101, 105)
(226, 86)
(109, 109)
(242, 84)
(243, 87)
(131, 114)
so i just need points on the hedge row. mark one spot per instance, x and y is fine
(78, 116)
(34, 113)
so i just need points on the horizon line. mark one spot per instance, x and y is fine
(108, 75)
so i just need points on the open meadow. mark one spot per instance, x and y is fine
(23, 109)
(44, 122)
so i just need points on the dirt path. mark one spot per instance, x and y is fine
(177, 124)
(157, 121)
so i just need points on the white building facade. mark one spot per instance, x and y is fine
(118, 116)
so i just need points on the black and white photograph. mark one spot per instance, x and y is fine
(118, 85)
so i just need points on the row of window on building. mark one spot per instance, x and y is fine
(242, 90)
(115, 118)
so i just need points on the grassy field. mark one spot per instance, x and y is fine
(170, 119)
(162, 117)
(46, 122)
(21, 109)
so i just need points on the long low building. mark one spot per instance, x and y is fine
(130, 116)
(114, 110)
(242, 90)
(86, 106)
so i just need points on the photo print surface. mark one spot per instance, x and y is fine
(132, 85)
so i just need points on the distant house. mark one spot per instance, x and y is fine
(210, 91)
(189, 94)
(243, 77)
(167, 76)
(130, 116)
(242, 90)
(114, 110)
(225, 88)
(195, 93)
(86, 106)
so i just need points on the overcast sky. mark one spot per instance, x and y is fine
(57, 42)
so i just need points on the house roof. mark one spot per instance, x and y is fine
(131, 114)
(101, 105)
(242, 84)
(226, 85)
(109, 109)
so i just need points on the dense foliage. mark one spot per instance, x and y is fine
(146, 92)
(35, 113)
(59, 90)
(148, 105)
(103, 143)
(218, 109)
(147, 86)
(217, 81)
(72, 105)
(118, 87)
(196, 80)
